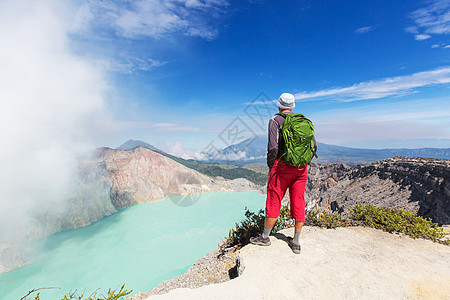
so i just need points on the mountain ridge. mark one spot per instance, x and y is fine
(131, 144)
(253, 150)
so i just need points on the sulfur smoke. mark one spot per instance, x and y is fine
(48, 96)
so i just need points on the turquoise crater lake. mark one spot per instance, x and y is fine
(140, 246)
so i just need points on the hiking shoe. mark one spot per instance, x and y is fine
(295, 248)
(260, 241)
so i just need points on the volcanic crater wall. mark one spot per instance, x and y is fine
(418, 184)
(112, 180)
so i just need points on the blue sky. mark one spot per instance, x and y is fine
(177, 73)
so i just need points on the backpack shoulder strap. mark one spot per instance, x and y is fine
(282, 114)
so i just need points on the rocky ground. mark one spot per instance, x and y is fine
(222, 266)
(343, 263)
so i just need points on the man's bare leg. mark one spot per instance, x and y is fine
(270, 222)
(298, 226)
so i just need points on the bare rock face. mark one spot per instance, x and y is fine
(11, 258)
(141, 175)
(320, 179)
(418, 184)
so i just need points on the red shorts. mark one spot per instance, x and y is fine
(281, 177)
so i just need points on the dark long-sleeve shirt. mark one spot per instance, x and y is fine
(276, 143)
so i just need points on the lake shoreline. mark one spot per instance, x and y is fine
(215, 267)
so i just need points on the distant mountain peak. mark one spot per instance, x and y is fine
(254, 150)
(131, 144)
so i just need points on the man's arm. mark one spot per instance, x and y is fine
(272, 147)
(315, 144)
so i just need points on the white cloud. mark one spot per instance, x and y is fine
(440, 46)
(431, 19)
(129, 64)
(412, 29)
(375, 89)
(104, 30)
(363, 30)
(173, 127)
(178, 149)
(48, 97)
(158, 18)
(109, 125)
(422, 37)
(421, 118)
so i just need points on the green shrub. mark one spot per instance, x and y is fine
(387, 219)
(397, 220)
(111, 295)
(325, 219)
(253, 224)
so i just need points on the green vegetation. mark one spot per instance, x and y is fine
(397, 220)
(111, 295)
(257, 167)
(233, 173)
(326, 219)
(393, 220)
(253, 224)
(225, 170)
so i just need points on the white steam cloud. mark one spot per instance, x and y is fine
(47, 96)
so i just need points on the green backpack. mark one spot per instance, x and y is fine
(298, 134)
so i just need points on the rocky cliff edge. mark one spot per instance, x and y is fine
(342, 263)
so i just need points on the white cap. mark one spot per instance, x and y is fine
(286, 101)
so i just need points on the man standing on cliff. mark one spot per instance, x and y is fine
(281, 177)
